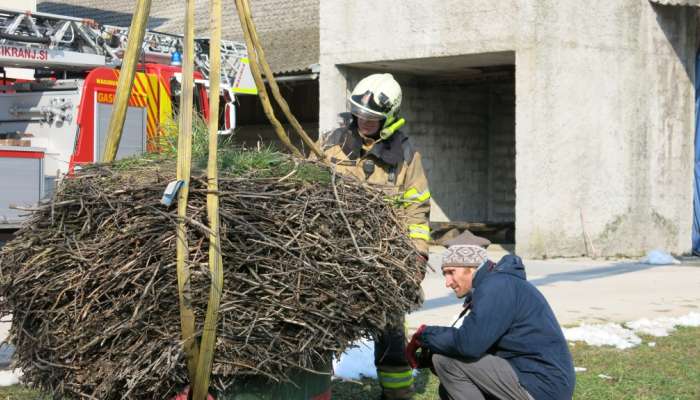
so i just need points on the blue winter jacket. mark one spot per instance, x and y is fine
(511, 319)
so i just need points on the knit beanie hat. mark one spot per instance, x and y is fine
(464, 256)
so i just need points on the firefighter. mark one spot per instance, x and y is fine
(370, 146)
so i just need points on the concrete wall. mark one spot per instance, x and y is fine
(449, 124)
(466, 134)
(501, 155)
(604, 107)
(364, 30)
(605, 129)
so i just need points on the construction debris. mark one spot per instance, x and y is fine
(312, 263)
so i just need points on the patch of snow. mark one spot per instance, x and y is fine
(9, 378)
(357, 362)
(664, 325)
(4, 329)
(624, 337)
(690, 320)
(659, 257)
(6, 352)
(580, 369)
(601, 335)
(653, 327)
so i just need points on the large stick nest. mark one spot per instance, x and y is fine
(91, 279)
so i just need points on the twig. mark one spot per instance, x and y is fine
(340, 209)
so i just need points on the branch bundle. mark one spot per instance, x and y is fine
(91, 279)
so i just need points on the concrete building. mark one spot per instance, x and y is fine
(573, 119)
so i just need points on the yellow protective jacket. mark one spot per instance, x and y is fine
(393, 165)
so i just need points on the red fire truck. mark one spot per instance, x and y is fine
(55, 117)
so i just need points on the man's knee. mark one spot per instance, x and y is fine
(442, 364)
(454, 383)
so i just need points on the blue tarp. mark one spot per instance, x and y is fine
(696, 192)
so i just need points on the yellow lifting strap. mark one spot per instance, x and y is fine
(206, 354)
(262, 91)
(137, 31)
(184, 154)
(260, 53)
(184, 163)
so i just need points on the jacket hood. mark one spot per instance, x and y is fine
(510, 264)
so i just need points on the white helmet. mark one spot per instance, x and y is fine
(376, 97)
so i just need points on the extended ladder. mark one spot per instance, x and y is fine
(41, 40)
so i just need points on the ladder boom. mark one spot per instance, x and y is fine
(41, 40)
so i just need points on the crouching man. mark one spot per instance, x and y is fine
(509, 346)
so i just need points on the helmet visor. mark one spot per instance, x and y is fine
(364, 112)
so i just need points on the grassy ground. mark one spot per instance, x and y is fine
(20, 393)
(668, 371)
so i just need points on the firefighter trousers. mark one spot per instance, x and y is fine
(393, 371)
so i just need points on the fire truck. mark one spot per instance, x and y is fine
(55, 119)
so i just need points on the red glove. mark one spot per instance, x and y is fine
(413, 347)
